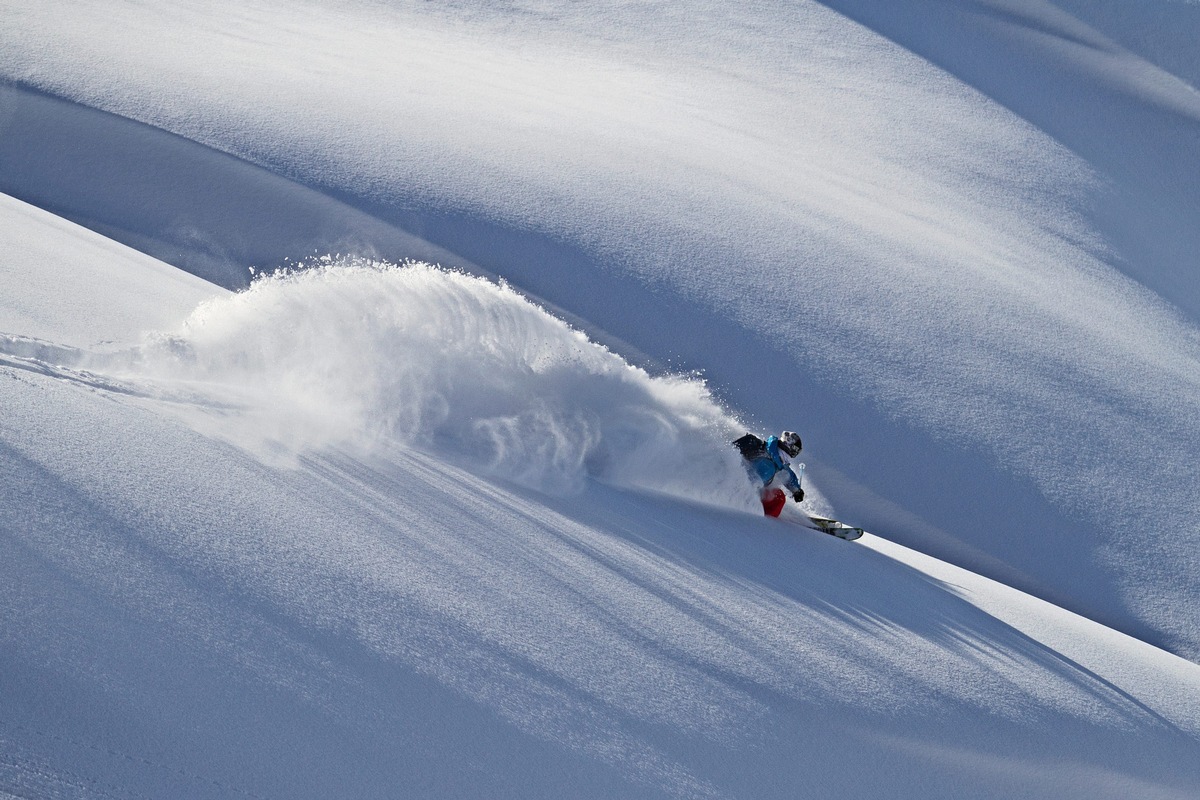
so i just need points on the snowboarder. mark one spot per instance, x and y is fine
(770, 462)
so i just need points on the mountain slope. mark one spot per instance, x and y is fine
(196, 615)
(963, 280)
(364, 529)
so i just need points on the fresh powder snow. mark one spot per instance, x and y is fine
(367, 373)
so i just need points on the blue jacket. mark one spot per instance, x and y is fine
(768, 466)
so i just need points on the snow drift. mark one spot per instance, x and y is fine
(364, 356)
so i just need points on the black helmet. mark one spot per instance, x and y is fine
(789, 442)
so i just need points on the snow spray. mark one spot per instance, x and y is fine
(365, 355)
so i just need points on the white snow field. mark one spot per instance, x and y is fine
(374, 528)
(327, 538)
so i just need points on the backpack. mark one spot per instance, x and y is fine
(751, 447)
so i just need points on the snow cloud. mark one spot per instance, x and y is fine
(369, 355)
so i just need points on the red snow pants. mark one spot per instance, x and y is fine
(773, 501)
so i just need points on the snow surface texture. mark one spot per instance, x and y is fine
(115, 294)
(283, 547)
(970, 282)
(188, 618)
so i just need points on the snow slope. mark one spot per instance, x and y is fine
(959, 239)
(78, 290)
(191, 614)
(368, 530)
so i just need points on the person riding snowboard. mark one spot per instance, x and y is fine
(770, 462)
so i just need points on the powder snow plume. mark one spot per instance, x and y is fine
(365, 355)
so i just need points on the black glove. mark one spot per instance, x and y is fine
(798, 495)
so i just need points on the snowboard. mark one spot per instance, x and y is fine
(830, 526)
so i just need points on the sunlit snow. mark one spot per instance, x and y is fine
(445, 507)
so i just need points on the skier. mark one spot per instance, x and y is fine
(770, 462)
